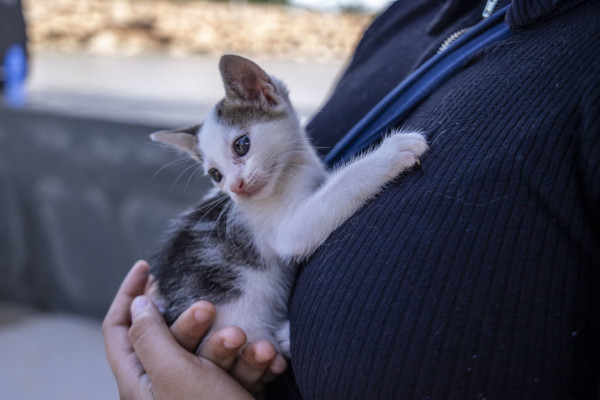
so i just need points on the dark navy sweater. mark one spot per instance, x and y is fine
(477, 275)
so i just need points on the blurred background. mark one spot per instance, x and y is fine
(83, 193)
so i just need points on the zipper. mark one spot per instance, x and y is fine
(490, 6)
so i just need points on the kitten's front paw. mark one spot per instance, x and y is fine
(283, 339)
(407, 148)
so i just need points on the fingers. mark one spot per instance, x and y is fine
(151, 338)
(191, 326)
(133, 322)
(133, 285)
(174, 372)
(277, 367)
(258, 364)
(223, 346)
(121, 357)
(162, 358)
(116, 323)
(253, 367)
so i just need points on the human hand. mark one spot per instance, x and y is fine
(151, 361)
(257, 363)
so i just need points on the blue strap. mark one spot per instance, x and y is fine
(424, 80)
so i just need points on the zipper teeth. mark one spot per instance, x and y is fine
(489, 9)
(450, 39)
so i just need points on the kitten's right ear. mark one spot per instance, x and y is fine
(245, 80)
(185, 139)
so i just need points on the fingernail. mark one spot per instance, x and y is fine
(138, 305)
(160, 304)
(139, 263)
(230, 346)
(202, 315)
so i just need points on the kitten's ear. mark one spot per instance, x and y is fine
(245, 80)
(185, 139)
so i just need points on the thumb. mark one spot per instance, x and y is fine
(175, 373)
(152, 340)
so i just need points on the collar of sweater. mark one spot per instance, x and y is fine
(525, 13)
(521, 15)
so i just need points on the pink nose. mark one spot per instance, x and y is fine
(238, 187)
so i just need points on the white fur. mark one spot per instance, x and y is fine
(291, 204)
(297, 205)
(261, 311)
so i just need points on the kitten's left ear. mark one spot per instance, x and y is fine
(185, 139)
(245, 80)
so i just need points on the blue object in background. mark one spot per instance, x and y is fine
(15, 71)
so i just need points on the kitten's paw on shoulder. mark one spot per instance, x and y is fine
(413, 142)
(409, 147)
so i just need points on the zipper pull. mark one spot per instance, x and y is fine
(489, 8)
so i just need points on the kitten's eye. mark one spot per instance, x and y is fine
(215, 175)
(241, 145)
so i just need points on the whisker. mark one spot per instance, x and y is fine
(224, 211)
(195, 173)
(181, 174)
(211, 206)
(178, 161)
(288, 165)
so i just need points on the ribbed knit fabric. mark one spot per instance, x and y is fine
(477, 275)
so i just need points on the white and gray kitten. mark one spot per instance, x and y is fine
(275, 203)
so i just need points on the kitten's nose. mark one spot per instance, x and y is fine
(238, 187)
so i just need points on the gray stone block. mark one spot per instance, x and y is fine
(80, 200)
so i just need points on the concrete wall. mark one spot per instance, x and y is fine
(80, 201)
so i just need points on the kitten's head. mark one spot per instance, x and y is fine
(248, 138)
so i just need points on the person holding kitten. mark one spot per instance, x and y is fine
(474, 276)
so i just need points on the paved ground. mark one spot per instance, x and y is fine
(158, 89)
(57, 356)
(51, 357)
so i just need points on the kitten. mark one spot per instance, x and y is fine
(274, 204)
